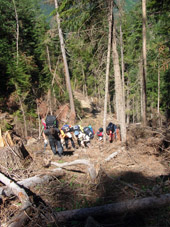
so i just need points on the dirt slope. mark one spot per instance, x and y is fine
(140, 169)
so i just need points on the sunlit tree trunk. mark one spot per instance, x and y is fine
(67, 75)
(121, 48)
(144, 97)
(17, 55)
(158, 89)
(118, 87)
(17, 31)
(107, 70)
(127, 104)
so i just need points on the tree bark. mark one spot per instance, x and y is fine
(107, 70)
(18, 191)
(114, 208)
(17, 30)
(121, 48)
(118, 88)
(67, 75)
(33, 181)
(158, 90)
(91, 168)
(144, 97)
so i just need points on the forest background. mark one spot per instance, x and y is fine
(31, 62)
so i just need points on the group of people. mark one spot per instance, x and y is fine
(112, 131)
(60, 137)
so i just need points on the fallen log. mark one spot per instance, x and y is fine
(16, 190)
(20, 219)
(114, 154)
(91, 169)
(114, 208)
(31, 182)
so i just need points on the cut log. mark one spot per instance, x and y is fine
(114, 208)
(90, 168)
(112, 156)
(31, 182)
(18, 191)
(20, 219)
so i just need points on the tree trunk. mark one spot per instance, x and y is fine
(18, 191)
(32, 182)
(24, 116)
(91, 169)
(17, 53)
(17, 30)
(158, 89)
(121, 49)
(114, 208)
(107, 70)
(128, 103)
(118, 88)
(144, 97)
(67, 75)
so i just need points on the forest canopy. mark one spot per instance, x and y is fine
(32, 65)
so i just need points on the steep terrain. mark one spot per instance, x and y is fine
(138, 169)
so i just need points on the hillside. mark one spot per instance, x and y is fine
(136, 170)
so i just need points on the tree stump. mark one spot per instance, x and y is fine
(14, 156)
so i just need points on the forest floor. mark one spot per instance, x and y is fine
(140, 169)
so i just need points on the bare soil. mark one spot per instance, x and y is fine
(140, 169)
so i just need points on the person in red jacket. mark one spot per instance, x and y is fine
(100, 134)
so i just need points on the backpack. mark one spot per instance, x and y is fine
(100, 134)
(91, 129)
(88, 132)
(66, 128)
(111, 127)
(51, 122)
(76, 128)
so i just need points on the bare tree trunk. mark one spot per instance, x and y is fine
(118, 88)
(24, 117)
(48, 58)
(133, 108)
(122, 62)
(107, 70)
(17, 30)
(39, 121)
(67, 75)
(114, 208)
(121, 49)
(127, 104)
(18, 191)
(17, 53)
(144, 106)
(158, 89)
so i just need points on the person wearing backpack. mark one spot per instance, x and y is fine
(111, 131)
(66, 135)
(88, 132)
(83, 140)
(100, 134)
(77, 128)
(90, 127)
(52, 132)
